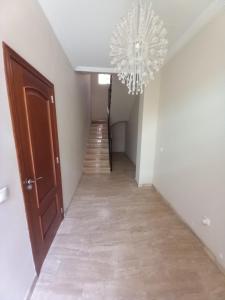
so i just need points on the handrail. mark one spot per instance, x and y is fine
(119, 122)
(109, 125)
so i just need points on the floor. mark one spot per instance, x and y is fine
(118, 242)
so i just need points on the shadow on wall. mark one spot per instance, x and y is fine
(124, 120)
(122, 102)
(119, 131)
(99, 99)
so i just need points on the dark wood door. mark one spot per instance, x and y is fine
(32, 105)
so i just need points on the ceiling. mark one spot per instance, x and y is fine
(84, 27)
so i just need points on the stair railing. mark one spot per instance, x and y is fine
(109, 122)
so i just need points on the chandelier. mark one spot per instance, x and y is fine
(139, 46)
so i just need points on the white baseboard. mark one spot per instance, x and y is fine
(145, 185)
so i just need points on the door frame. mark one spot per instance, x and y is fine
(10, 54)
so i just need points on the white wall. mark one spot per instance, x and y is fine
(24, 27)
(99, 99)
(147, 132)
(122, 102)
(119, 137)
(190, 173)
(132, 132)
(124, 109)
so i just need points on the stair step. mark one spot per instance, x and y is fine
(97, 141)
(105, 130)
(98, 151)
(97, 170)
(100, 135)
(96, 163)
(96, 157)
(99, 127)
(98, 138)
(98, 132)
(105, 145)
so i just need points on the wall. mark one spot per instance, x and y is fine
(99, 99)
(119, 137)
(132, 132)
(147, 132)
(190, 170)
(123, 110)
(122, 102)
(24, 27)
(73, 125)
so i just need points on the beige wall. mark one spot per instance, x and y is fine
(99, 99)
(124, 109)
(122, 102)
(24, 27)
(190, 173)
(119, 137)
(147, 132)
(132, 132)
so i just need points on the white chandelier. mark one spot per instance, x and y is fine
(139, 46)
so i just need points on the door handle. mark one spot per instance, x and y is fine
(30, 181)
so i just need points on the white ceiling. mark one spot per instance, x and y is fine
(84, 27)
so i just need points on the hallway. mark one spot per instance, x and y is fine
(118, 242)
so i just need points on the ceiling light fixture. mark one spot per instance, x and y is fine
(139, 46)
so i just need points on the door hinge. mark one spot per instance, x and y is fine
(52, 99)
(57, 160)
(62, 211)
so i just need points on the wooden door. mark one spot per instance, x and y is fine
(33, 113)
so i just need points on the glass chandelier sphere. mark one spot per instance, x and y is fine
(139, 46)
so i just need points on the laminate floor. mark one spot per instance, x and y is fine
(118, 242)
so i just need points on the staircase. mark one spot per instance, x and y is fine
(97, 153)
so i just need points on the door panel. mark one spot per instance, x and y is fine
(40, 136)
(31, 98)
(48, 217)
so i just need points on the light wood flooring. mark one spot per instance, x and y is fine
(118, 242)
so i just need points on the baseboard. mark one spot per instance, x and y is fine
(30, 292)
(210, 254)
(144, 185)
